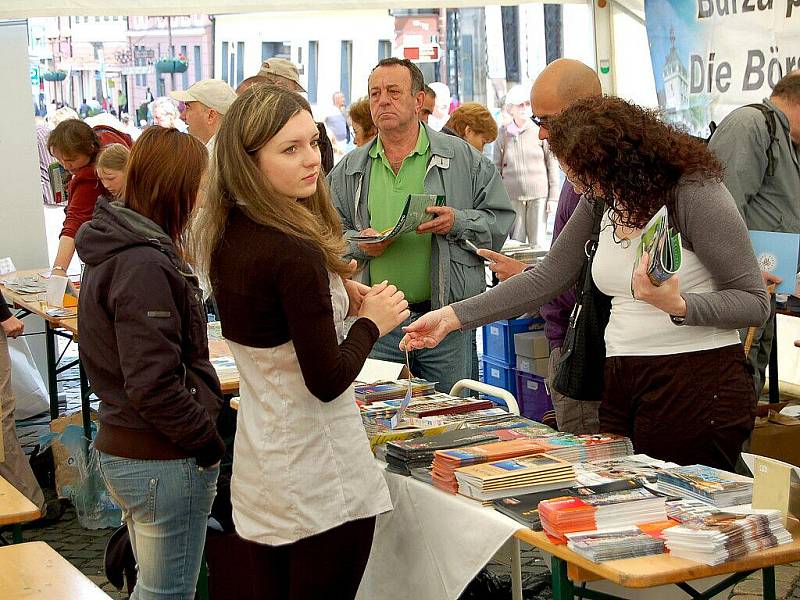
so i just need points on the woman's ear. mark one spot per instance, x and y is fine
(468, 130)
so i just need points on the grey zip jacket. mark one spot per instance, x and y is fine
(471, 185)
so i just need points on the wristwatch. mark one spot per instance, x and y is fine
(677, 320)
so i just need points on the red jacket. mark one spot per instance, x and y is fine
(84, 187)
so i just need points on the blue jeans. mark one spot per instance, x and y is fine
(165, 504)
(447, 363)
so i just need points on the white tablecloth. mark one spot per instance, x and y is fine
(431, 545)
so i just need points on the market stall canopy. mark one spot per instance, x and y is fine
(54, 8)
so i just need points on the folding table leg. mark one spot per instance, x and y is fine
(52, 365)
(563, 588)
(768, 578)
(86, 408)
(516, 570)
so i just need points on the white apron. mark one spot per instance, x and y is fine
(301, 466)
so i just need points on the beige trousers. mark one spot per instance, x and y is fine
(14, 465)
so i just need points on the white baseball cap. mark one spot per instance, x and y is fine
(214, 93)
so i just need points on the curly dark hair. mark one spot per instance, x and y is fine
(625, 156)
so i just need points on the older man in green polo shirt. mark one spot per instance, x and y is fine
(434, 265)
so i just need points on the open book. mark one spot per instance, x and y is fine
(413, 216)
(663, 246)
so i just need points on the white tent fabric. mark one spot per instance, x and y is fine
(15, 9)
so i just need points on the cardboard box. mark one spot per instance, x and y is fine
(533, 366)
(532, 344)
(777, 441)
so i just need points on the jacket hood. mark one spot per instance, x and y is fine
(115, 228)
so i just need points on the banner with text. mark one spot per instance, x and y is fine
(711, 56)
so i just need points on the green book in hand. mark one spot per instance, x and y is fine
(663, 246)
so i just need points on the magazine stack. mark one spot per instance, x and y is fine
(525, 474)
(605, 510)
(727, 536)
(714, 486)
(613, 544)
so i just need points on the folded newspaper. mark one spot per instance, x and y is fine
(414, 214)
(663, 246)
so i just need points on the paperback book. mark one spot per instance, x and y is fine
(663, 245)
(412, 216)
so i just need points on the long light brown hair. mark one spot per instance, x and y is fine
(235, 179)
(163, 177)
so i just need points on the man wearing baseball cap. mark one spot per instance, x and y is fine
(205, 104)
(281, 72)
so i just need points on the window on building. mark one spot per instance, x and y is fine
(224, 61)
(239, 63)
(313, 57)
(97, 19)
(198, 64)
(346, 73)
(384, 49)
(186, 72)
(279, 49)
(231, 69)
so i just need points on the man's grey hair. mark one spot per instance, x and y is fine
(417, 80)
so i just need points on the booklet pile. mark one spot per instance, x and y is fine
(714, 486)
(727, 536)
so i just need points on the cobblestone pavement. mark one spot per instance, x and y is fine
(84, 549)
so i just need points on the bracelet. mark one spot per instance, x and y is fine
(58, 268)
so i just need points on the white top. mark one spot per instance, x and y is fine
(640, 329)
(301, 466)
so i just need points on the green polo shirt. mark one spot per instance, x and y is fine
(407, 261)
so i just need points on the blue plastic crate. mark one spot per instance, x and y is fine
(500, 375)
(498, 337)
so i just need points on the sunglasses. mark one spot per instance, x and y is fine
(542, 122)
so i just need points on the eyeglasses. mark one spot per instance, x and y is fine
(542, 122)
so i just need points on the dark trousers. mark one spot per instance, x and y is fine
(694, 407)
(328, 565)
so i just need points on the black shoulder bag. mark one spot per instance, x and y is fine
(579, 373)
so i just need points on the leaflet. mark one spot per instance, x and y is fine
(413, 216)
(663, 245)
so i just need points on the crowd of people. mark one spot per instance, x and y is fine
(252, 204)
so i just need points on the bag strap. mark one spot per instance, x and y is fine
(590, 249)
(772, 130)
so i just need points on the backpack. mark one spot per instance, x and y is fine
(772, 128)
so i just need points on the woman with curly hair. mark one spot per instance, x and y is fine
(676, 379)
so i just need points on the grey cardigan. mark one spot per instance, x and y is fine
(710, 226)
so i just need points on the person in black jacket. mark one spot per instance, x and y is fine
(145, 350)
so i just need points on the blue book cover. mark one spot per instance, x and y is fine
(777, 254)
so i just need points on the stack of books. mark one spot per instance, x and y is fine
(636, 466)
(582, 448)
(524, 474)
(404, 455)
(605, 510)
(617, 543)
(714, 486)
(445, 462)
(725, 536)
(524, 508)
(392, 390)
(425, 406)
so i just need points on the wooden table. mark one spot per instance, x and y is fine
(65, 327)
(649, 571)
(15, 509)
(35, 571)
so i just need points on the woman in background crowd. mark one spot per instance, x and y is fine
(474, 124)
(305, 488)
(76, 145)
(110, 166)
(361, 119)
(676, 378)
(145, 350)
(528, 168)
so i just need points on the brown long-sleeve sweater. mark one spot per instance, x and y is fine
(272, 288)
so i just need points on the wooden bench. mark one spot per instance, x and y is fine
(15, 509)
(34, 570)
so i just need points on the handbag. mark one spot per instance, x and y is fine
(579, 373)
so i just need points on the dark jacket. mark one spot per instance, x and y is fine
(556, 312)
(143, 341)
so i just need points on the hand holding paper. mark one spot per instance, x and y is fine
(666, 297)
